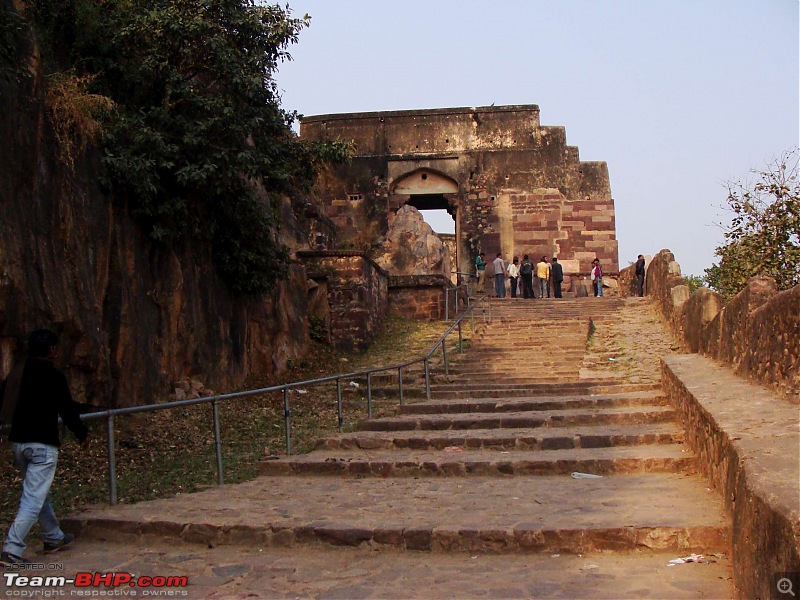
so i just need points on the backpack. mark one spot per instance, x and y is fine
(527, 268)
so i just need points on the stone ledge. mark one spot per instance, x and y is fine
(748, 444)
(396, 281)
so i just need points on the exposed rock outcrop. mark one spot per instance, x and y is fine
(412, 248)
(133, 316)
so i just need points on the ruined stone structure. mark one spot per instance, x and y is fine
(512, 185)
(352, 296)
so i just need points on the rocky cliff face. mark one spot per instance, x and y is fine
(133, 316)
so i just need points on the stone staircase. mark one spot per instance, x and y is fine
(517, 454)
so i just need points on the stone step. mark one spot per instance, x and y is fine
(533, 403)
(325, 572)
(482, 514)
(495, 390)
(414, 388)
(586, 436)
(452, 463)
(549, 418)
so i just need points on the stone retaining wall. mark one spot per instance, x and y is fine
(358, 297)
(747, 441)
(757, 332)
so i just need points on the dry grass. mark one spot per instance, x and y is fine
(74, 113)
(167, 452)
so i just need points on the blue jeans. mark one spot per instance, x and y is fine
(598, 287)
(500, 285)
(37, 465)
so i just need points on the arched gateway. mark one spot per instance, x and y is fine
(512, 185)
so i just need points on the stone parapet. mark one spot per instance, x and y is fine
(419, 296)
(747, 441)
(757, 332)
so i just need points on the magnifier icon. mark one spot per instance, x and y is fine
(785, 586)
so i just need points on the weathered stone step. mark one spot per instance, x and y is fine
(587, 436)
(483, 514)
(533, 403)
(551, 418)
(389, 463)
(492, 390)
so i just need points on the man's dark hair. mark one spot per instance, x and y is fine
(525, 257)
(499, 255)
(482, 254)
(555, 259)
(41, 342)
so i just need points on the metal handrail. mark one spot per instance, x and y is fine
(285, 388)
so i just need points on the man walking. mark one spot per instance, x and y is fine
(480, 269)
(33, 397)
(558, 276)
(543, 275)
(640, 276)
(499, 276)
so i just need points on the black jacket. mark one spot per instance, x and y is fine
(43, 396)
(558, 272)
(640, 266)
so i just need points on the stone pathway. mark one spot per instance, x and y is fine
(469, 495)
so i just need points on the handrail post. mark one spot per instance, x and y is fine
(339, 404)
(460, 340)
(400, 383)
(427, 380)
(217, 441)
(369, 395)
(444, 356)
(287, 414)
(446, 304)
(112, 462)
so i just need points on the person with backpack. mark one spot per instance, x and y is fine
(526, 273)
(557, 273)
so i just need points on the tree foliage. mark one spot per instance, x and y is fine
(198, 143)
(764, 235)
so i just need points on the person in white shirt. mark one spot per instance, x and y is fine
(513, 275)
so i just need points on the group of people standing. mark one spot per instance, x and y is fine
(532, 281)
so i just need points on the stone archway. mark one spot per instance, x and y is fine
(425, 188)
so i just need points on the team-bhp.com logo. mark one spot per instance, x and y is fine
(91, 584)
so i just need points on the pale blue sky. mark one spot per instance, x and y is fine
(676, 96)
